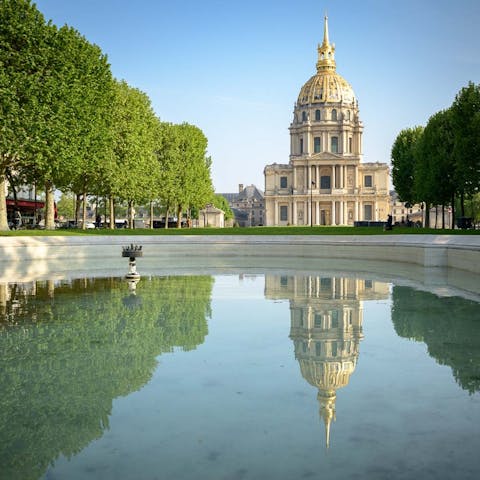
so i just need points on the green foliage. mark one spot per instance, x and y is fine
(448, 326)
(222, 203)
(184, 168)
(446, 157)
(68, 351)
(66, 206)
(466, 123)
(434, 176)
(403, 163)
(130, 172)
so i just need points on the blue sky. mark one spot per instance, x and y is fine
(235, 69)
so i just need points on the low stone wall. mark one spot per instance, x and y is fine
(451, 251)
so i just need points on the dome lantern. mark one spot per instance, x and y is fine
(326, 52)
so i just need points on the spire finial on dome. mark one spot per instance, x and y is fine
(326, 51)
(325, 31)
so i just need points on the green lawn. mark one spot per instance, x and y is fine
(247, 231)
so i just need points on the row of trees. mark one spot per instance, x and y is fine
(440, 164)
(68, 125)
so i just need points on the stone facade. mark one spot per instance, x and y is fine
(248, 205)
(326, 182)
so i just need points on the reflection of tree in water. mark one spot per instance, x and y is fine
(68, 350)
(450, 326)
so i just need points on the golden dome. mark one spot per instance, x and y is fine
(327, 85)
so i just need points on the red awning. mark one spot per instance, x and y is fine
(30, 204)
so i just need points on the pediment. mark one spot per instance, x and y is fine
(327, 156)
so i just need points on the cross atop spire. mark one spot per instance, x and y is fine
(326, 51)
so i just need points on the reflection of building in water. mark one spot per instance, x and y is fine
(326, 329)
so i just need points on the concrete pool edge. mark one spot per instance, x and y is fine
(461, 252)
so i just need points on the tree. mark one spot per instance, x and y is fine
(193, 180)
(66, 205)
(55, 97)
(167, 151)
(466, 124)
(434, 175)
(403, 163)
(131, 172)
(24, 44)
(185, 179)
(222, 203)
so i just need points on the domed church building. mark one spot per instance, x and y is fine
(326, 182)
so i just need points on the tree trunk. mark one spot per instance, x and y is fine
(443, 216)
(78, 204)
(179, 217)
(49, 206)
(130, 214)
(112, 213)
(151, 215)
(166, 218)
(3, 205)
(427, 215)
(84, 211)
(452, 221)
(462, 203)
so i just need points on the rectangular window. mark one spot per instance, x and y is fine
(334, 316)
(283, 281)
(367, 180)
(334, 144)
(283, 213)
(317, 320)
(301, 145)
(283, 182)
(318, 348)
(316, 144)
(325, 182)
(367, 212)
(350, 141)
(368, 284)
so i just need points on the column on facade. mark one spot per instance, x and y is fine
(275, 210)
(333, 216)
(317, 213)
(294, 178)
(375, 208)
(342, 179)
(309, 176)
(340, 213)
(333, 176)
(317, 176)
(308, 210)
(294, 212)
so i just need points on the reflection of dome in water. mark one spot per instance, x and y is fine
(326, 330)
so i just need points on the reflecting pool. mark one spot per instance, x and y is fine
(274, 375)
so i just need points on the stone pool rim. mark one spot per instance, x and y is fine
(460, 252)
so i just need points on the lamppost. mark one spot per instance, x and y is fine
(311, 203)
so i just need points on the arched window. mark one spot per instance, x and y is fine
(334, 144)
(304, 116)
(334, 115)
(317, 115)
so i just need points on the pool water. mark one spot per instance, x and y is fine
(237, 376)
